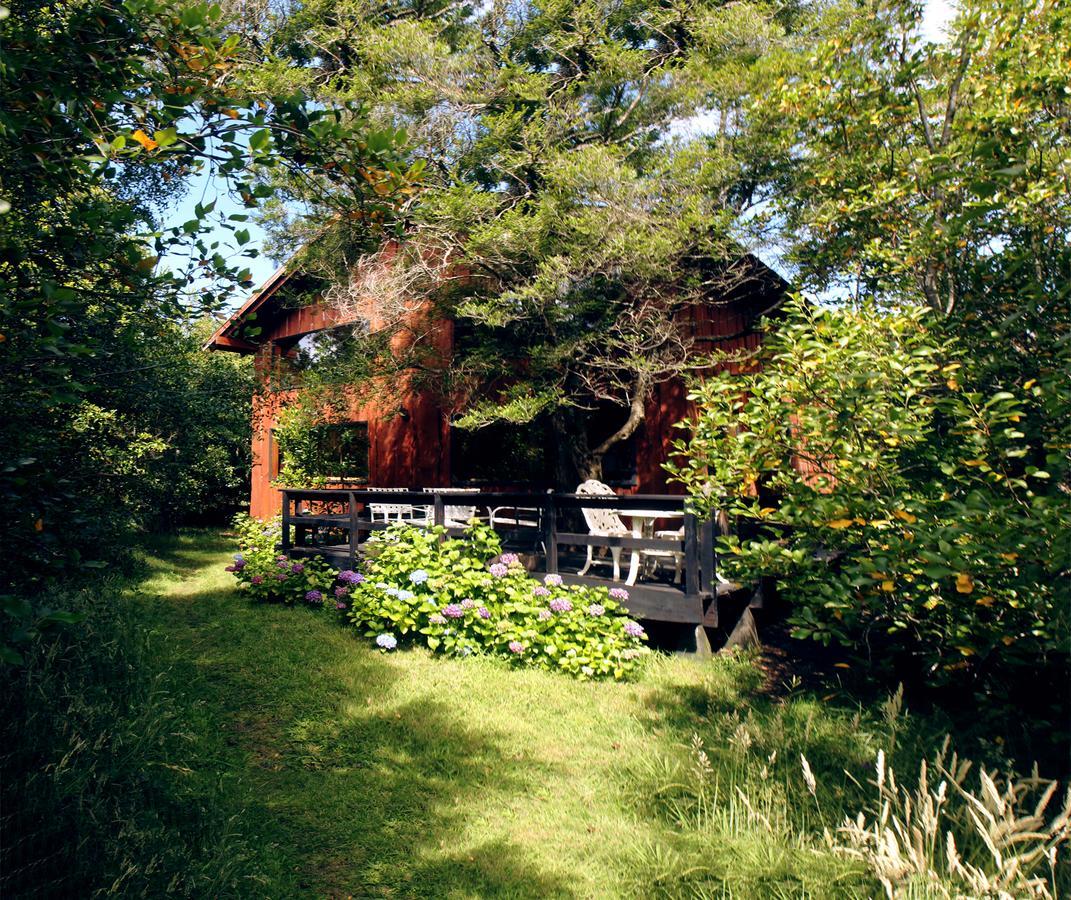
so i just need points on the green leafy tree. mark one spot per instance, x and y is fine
(107, 107)
(934, 506)
(569, 218)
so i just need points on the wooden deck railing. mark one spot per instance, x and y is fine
(334, 523)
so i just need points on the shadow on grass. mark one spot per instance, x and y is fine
(349, 787)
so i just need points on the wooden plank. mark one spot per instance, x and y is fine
(627, 541)
(691, 556)
(647, 601)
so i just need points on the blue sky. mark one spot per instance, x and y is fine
(937, 15)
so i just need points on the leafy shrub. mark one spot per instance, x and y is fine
(267, 575)
(445, 595)
(922, 524)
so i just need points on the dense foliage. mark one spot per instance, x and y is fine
(914, 526)
(922, 462)
(108, 109)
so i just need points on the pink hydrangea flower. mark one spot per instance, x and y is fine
(560, 604)
(498, 570)
(619, 593)
(552, 579)
(541, 591)
(257, 579)
(634, 629)
(516, 647)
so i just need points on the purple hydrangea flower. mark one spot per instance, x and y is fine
(509, 559)
(498, 570)
(298, 568)
(387, 641)
(314, 597)
(596, 609)
(483, 612)
(239, 564)
(418, 576)
(281, 557)
(280, 577)
(552, 579)
(283, 563)
(545, 614)
(541, 591)
(468, 603)
(619, 593)
(437, 619)
(341, 591)
(340, 605)
(453, 611)
(516, 647)
(634, 629)
(560, 604)
(257, 579)
(348, 576)
(230, 569)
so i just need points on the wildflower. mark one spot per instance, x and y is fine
(510, 559)
(560, 604)
(633, 629)
(453, 611)
(437, 619)
(257, 579)
(545, 614)
(540, 591)
(483, 612)
(596, 609)
(230, 569)
(619, 593)
(348, 576)
(419, 576)
(516, 647)
(498, 570)
(552, 579)
(341, 591)
(387, 641)
(314, 597)
(468, 603)
(297, 568)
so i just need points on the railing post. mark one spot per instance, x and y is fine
(550, 534)
(355, 536)
(691, 555)
(439, 512)
(286, 522)
(707, 579)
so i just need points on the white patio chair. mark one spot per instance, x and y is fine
(390, 512)
(664, 555)
(455, 516)
(602, 522)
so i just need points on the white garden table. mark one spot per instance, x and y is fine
(643, 521)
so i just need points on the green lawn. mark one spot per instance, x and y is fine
(350, 772)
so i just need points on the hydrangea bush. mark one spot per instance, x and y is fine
(462, 596)
(267, 575)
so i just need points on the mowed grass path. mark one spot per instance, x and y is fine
(351, 772)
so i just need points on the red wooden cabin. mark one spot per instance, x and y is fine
(406, 435)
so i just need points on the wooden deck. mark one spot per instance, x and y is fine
(335, 523)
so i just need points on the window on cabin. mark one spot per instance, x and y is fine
(619, 464)
(336, 451)
(502, 454)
